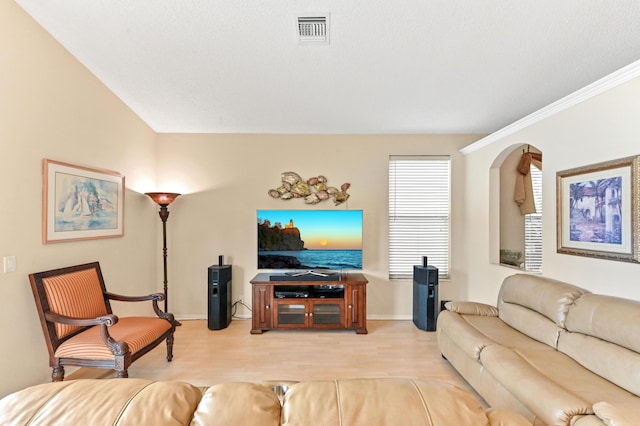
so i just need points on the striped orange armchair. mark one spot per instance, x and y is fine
(80, 329)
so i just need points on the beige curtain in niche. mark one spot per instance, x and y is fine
(523, 194)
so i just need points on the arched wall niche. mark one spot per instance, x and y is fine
(507, 224)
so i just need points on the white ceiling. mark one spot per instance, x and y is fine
(402, 66)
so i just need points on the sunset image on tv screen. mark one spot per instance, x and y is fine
(299, 239)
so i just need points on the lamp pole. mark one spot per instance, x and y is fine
(163, 199)
(164, 215)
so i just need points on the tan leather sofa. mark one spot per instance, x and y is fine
(342, 402)
(554, 352)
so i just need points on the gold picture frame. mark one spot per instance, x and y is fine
(81, 203)
(598, 212)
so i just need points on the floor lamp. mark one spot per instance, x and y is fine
(163, 199)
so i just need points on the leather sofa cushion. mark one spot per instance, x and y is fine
(237, 404)
(485, 331)
(544, 395)
(568, 373)
(385, 402)
(597, 355)
(94, 402)
(531, 323)
(549, 297)
(609, 318)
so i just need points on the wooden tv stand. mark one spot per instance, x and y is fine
(307, 303)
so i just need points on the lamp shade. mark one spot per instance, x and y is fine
(163, 198)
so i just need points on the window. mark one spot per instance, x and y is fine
(419, 188)
(533, 226)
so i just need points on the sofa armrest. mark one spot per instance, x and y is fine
(619, 413)
(472, 308)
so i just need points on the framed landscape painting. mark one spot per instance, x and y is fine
(81, 203)
(598, 210)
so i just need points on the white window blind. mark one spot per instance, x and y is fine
(533, 226)
(419, 189)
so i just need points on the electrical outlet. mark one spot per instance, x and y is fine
(9, 263)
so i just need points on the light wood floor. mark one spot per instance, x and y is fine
(205, 357)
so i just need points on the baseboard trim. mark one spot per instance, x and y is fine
(389, 317)
(190, 317)
(369, 317)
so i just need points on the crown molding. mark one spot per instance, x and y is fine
(612, 80)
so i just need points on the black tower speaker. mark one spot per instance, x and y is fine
(425, 297)
(219, 297)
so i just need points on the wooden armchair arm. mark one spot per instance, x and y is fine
(121, 298)
(154, 297)
(107, 320)
(118, 348)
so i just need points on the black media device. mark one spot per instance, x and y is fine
(425, 297)
(291, 294)
(219, 296)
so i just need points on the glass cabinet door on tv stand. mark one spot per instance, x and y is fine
(312, 313)
(307, 305)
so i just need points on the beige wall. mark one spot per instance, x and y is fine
(225, 179)
(52, 107)
(603, 128)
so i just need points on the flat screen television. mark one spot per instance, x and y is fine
(310, 240)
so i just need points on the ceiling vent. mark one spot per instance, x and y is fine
(313, 29)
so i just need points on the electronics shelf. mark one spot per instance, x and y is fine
(309, 304)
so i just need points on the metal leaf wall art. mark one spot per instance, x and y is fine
(312, 191)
